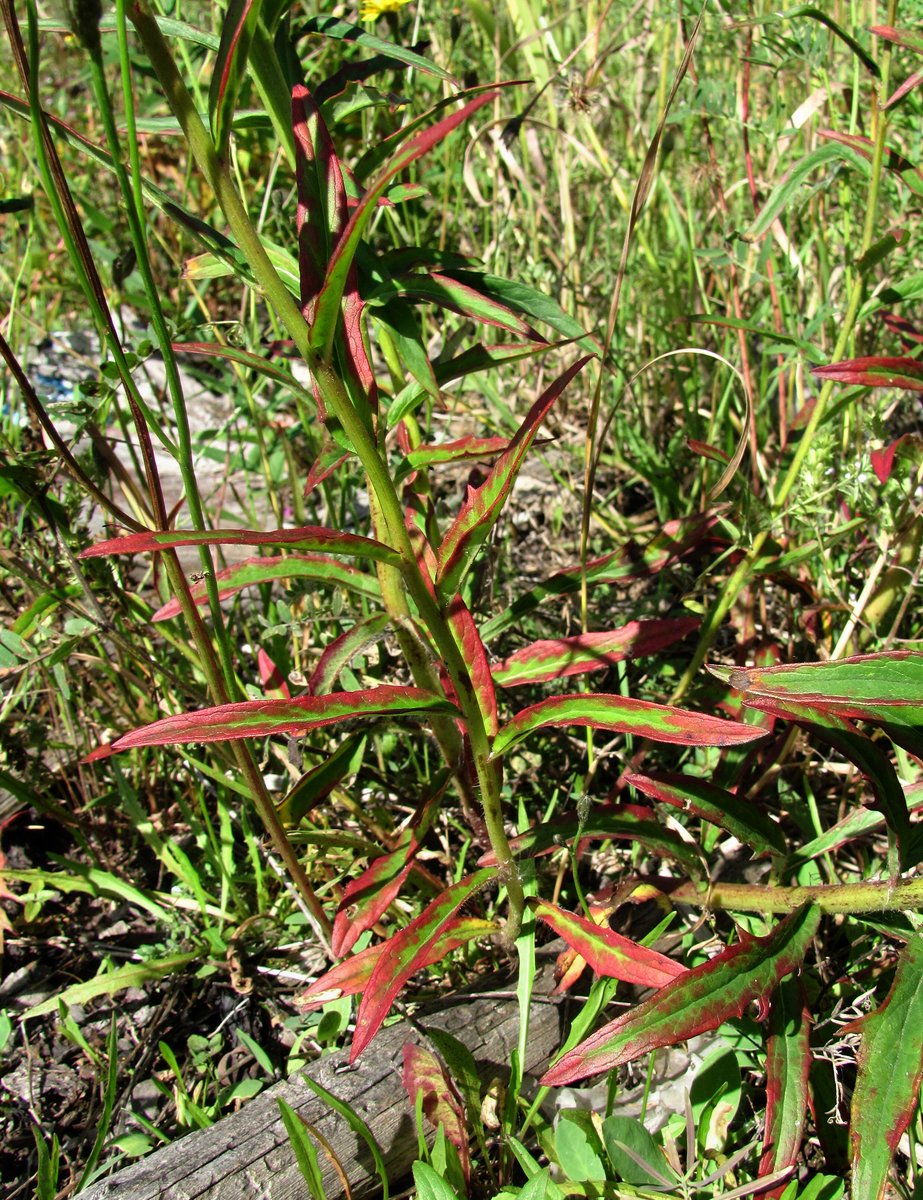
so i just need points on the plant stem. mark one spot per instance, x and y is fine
(843, 898)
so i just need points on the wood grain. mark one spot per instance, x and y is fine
(247, 1155)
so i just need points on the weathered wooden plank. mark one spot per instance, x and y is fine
(247, 1155)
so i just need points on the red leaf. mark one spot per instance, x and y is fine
(271, 677)
(483, 505)
(367, 897)
(896, 372)
(408, 951)
(442, 1105)
(310, 537)
(472, 649)
(607, 952)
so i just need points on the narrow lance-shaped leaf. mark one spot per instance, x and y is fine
(246, 358)
(620, 822)
(874, 687)
(352, 975)
(784, 192)
(456, 451)
(875, 371)
(737, 816)
(890, 1074)
(555, 658)
(271, 568)
(442, 1105)
(327, 307)
(788, 1064)
(659, 722)
(307, 537)
(607, 952)
(261, 718)
(408, 951)
(483, 505)
(468, 640)
(237, 31)
(320, 781)
(332, 27)
(700, 1000)
(462, 298)
(342, 650)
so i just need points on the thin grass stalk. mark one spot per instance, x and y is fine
(338, 403)
(741, 575)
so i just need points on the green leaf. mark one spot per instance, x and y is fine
(356, 1124)
(700, 1000)
(407, 952)
(261, 718)
(659, 722)
(343, 31)
(303, 1148)
(317, 783)
(132, 975)
(577, 1147)
(791, 184)
(890, 1072)
(431, 1186)
(624, 1134)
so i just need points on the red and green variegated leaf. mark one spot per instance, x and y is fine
(676, 539)
(252, 571)
(246, 358)
(876, 371)
(555, 658)
(261, 718)
(343, 649)
(327, 307)
(695, 1002)
(442, 1105)
(367, 897)
(623, 823)
(330, 457)
(307, 537)
(607, 952)
(353, 974)
(407, 953)
(321, 222)
(271, 678)
(332, 27)
(788, 1063)
(457, 451)
(722, 808)
(890, 1073)
(237, 31)
(461, 298)
(320, 781)
(911, 82)
(910, 39)
(472, 649)
(483, 505)
(659, 722)
(894, 161)
(883, 688)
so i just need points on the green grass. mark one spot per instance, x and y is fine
(711, 228)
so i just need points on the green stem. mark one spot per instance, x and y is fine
(846, 898)
(360, 435)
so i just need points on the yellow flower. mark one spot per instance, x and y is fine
(370, 10)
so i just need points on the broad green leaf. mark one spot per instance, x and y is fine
(700, 1000)
(319, 782)
(607, 952)
(132, 975)
(788, 1063)
(659, 722)
(483, 505)
(327, 307)
(407, 953)
(353, 974)
(556, 658)
(237, 29)
(791, 184)
(308, 537)
(874, 687)
(577, 1147)
(430, 1184)
(626, 1141)
(262, 718)
(875, 371)
(618, 821)
(890, 1072)
(442, 1105)
(737, 816)
(270, 569)
(538, 306)
(303, 1149)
